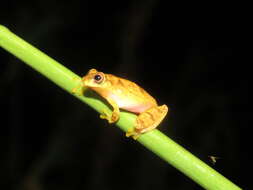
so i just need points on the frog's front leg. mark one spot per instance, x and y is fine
(115, 113)
(148, 120)
(78, 89)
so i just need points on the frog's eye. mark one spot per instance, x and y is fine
(98, 78)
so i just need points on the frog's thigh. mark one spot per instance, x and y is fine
(150, 119)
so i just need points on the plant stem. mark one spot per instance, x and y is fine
(154, 140)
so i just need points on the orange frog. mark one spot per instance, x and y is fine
(124, 94)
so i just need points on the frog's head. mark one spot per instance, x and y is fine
(94, 79)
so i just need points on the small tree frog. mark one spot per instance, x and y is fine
(124, 94)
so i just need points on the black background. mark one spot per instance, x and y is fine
(194, 57)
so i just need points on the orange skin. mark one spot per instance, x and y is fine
(124, 94)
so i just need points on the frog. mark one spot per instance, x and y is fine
(123, 94)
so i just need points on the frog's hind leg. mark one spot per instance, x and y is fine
(148, 120)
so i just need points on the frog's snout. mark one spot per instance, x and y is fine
(84, 81)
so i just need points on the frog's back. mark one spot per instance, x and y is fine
(130, 94)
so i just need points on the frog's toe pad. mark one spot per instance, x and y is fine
(106, 116)
(114, 117)
(76, 90)
(132, 133)
(103, 116)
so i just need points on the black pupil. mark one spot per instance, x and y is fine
(97, 77)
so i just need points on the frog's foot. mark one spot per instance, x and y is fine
(132, 133)
(148, 120)
(105, 115)
(111, 118)
(77, 90)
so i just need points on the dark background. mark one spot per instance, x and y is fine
(192, 57)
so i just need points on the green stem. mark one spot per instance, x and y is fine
(154, 140)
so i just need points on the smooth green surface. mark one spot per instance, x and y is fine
(155, 141)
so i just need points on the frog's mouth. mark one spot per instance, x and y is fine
(84, 81)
